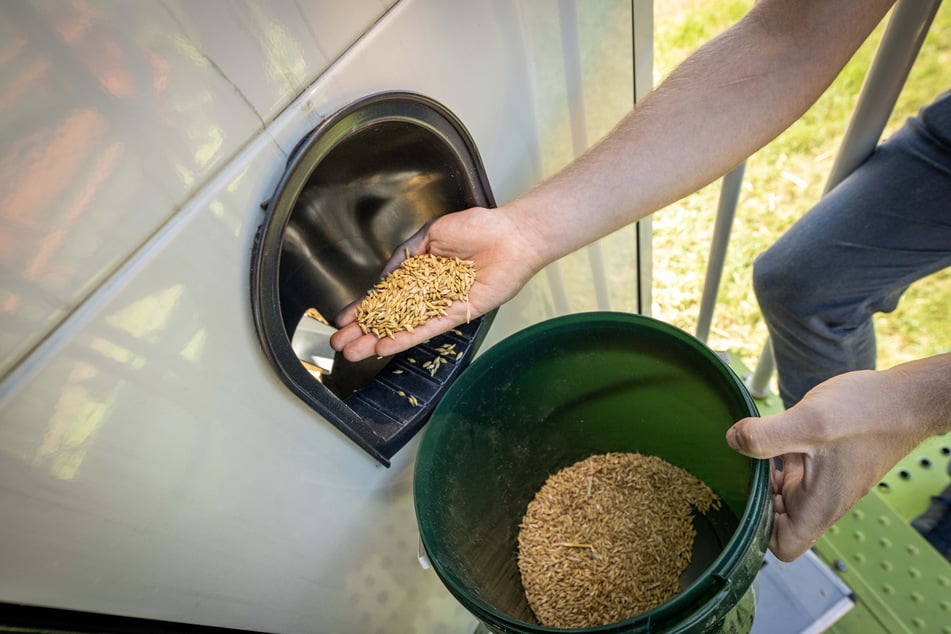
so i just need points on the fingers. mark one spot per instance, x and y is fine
(347, 316)
(415, 245)
(350, 339)
(404, 340)
(801, 517)
(770, 436)
(798, 514)
(788, 540)
(469, 234)
(346, 336)
(356, 346)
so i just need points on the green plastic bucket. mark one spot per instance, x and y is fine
(556, 393)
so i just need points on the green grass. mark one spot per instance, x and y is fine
(782, 181)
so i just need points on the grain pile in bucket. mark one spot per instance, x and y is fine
(607, 538)
(421, 288)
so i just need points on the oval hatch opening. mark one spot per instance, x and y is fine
(356, 188)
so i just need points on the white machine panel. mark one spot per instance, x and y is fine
(151, 464)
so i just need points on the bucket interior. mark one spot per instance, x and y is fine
(555, 394)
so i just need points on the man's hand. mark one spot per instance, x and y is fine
(504, 261)
(840, 440)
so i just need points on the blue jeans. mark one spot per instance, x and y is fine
(855, 253)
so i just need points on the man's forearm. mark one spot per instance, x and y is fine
(731, 97)
(924, 386)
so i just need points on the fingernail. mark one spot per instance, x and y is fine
(731, 438)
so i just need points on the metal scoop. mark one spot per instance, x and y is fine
(311, 344)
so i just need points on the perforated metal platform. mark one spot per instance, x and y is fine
(902, 584)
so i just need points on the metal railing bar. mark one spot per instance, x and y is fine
(723, 225)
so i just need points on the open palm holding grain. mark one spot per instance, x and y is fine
(483, 242)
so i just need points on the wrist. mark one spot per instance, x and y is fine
(536, 242)
(924, 387)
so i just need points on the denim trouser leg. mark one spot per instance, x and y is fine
(854, 254)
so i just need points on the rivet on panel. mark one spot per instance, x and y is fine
(834, 529)
(946, 606)
(884, 542)
(884, 520)
(887, 589)
(916, 597)
(859, 536)
(859, 558)
(887, 566)
(858, 514)
(944, 582)
(919, 622)
(914, 573)
(911, 549)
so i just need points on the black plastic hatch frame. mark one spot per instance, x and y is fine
(380, 417)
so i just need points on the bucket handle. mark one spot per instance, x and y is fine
(721, 595)
(423, 556)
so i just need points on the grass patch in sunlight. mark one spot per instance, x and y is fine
(782, 181)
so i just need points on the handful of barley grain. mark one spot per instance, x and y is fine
(421, 288)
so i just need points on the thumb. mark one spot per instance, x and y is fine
(769, 436)
(416, 244)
